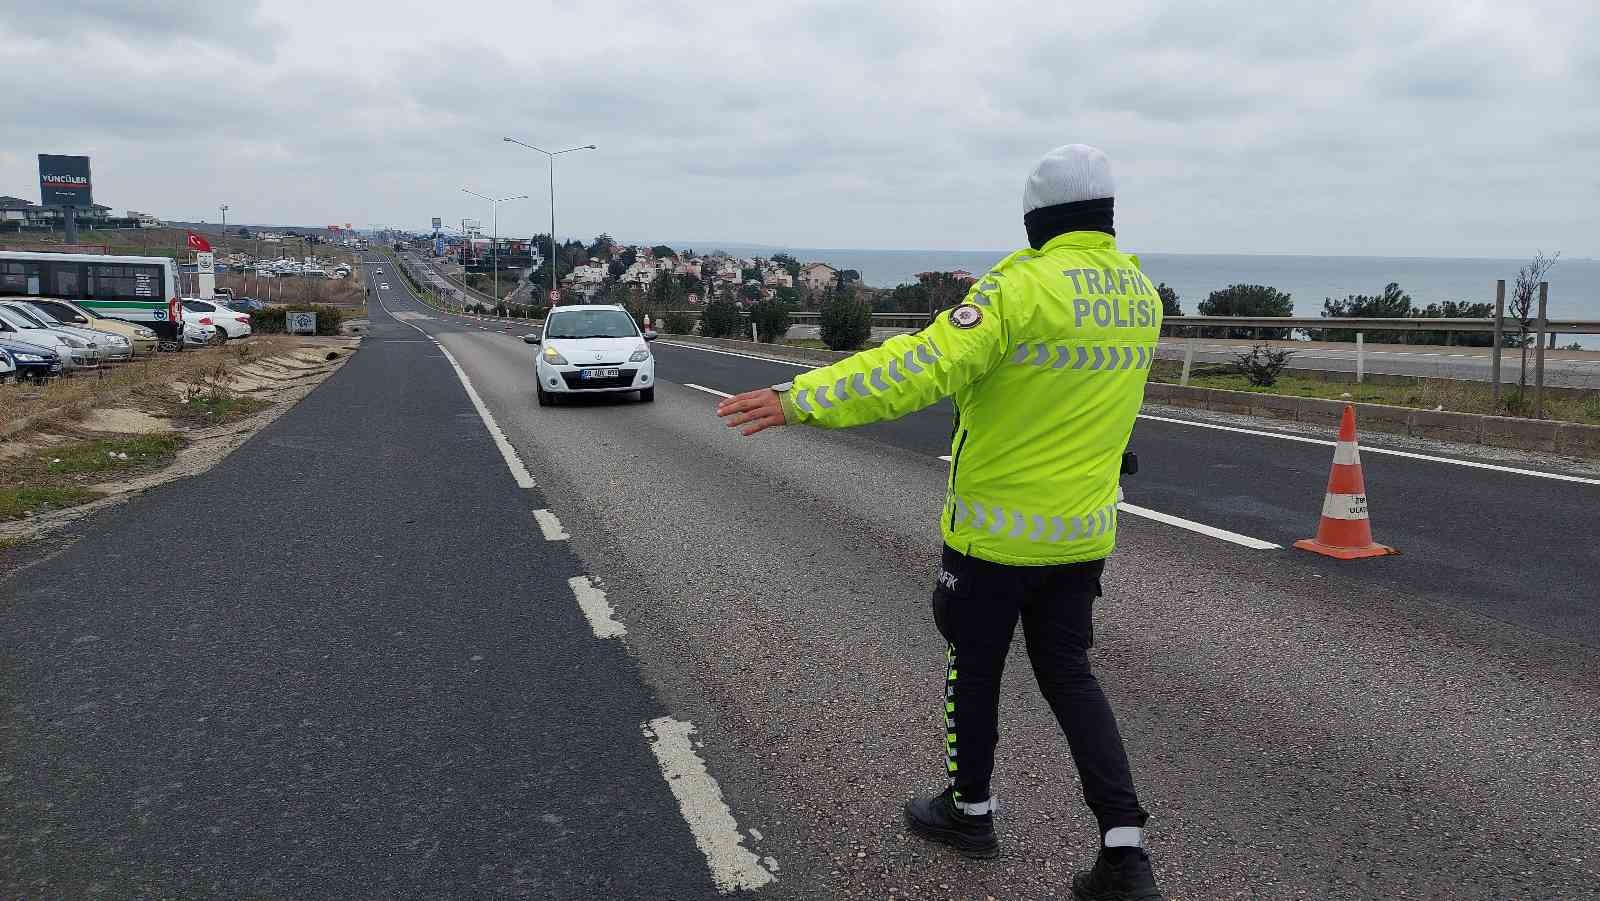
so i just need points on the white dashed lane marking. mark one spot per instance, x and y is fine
(550, 526)
(706, 390)
(592, 601)
(733, 866)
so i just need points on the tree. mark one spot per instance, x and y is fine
(1521, 304)
(1169, 300)
(721, 319)
(661, 250)
(1248, 300)
(845, 321)
(771, 318)
(942, 290)
(602, 246)
(790, 296)
(749, 293)
(1455, 309)
(751, 274)
(850, 276)
(1393, 303)
(789, 264)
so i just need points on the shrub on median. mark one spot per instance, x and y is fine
(771, 318)
(677, 322)
(845, 321)
(721, 319)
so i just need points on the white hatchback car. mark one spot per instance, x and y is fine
(593, 350)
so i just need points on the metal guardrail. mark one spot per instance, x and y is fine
(1319, 323)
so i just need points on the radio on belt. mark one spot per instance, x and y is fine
(1130, 463)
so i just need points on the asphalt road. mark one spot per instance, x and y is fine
(1412, 727)
(344, 663)
(365, 671)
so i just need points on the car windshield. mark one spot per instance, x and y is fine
(18, 318)
(590, 324)
(33, 311)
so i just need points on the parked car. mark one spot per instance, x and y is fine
(246, 305)
(75, 352)
(8, 366)
(229, 323)
(34, 363)
(593, 349)
(142, 339)
(199, 334)
(113, 347)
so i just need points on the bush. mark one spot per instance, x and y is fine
(772, 321)
(1248, 300)
(721, 319)
(677, 322)
(845, 321)
(273, 320)
(1262, 365)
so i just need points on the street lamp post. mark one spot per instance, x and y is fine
(494, 251)
(552, 156)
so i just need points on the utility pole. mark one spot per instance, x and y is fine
(551, 155)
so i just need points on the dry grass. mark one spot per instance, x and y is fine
(115, 382)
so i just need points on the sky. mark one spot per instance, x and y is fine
(1424, 128)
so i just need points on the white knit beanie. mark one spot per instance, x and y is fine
(1067, 175)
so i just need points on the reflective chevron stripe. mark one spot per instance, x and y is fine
(1034, 527)
(1097, 357)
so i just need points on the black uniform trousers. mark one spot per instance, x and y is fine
(976, 605)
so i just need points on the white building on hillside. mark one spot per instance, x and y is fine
(818, 276)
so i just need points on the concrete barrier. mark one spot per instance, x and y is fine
(1571, 439)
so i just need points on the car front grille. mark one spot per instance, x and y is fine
(579, 384)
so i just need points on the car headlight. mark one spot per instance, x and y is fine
(117, 341)
(73, 343)
(28, 358)
(143, 332)
(554, 357)
(639, 356)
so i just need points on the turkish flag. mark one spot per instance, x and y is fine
(198, 243)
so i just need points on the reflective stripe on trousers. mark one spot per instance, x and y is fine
(1031, 526)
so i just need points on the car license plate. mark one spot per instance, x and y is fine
(601, 373)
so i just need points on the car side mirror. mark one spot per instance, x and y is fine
(530, 339)
(650, 335)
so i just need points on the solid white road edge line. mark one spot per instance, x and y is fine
(1369, 449)
(733, 866)
(1223, 428)
(706, 390)
(1200, 527)
(592, 601)
(550, 526)
(507, 452)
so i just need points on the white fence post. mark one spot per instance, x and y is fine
(1188, 360)
(1361, 356)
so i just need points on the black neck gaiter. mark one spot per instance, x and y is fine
(1046, 222)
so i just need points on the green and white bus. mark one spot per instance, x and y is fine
(135, 289)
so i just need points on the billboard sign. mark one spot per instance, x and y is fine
(437, 223)
(64, 181)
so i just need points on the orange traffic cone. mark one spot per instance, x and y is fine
(1345, 532)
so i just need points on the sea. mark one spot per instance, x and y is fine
(1574, 282)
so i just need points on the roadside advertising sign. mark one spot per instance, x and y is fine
(64, 181)
(437, 223)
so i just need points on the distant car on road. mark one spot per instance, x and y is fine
(593, 350)
(33, 362)
(228, 323)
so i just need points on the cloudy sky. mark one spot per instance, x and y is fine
(1429, 127)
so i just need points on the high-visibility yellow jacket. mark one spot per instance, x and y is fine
(1046, 360)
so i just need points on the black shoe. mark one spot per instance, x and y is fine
(937, 819)
(1119, 874)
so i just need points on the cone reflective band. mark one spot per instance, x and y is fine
(1345, 532)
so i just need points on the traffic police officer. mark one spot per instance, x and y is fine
(1046, 359)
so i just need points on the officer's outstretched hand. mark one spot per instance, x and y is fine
(752, 411)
